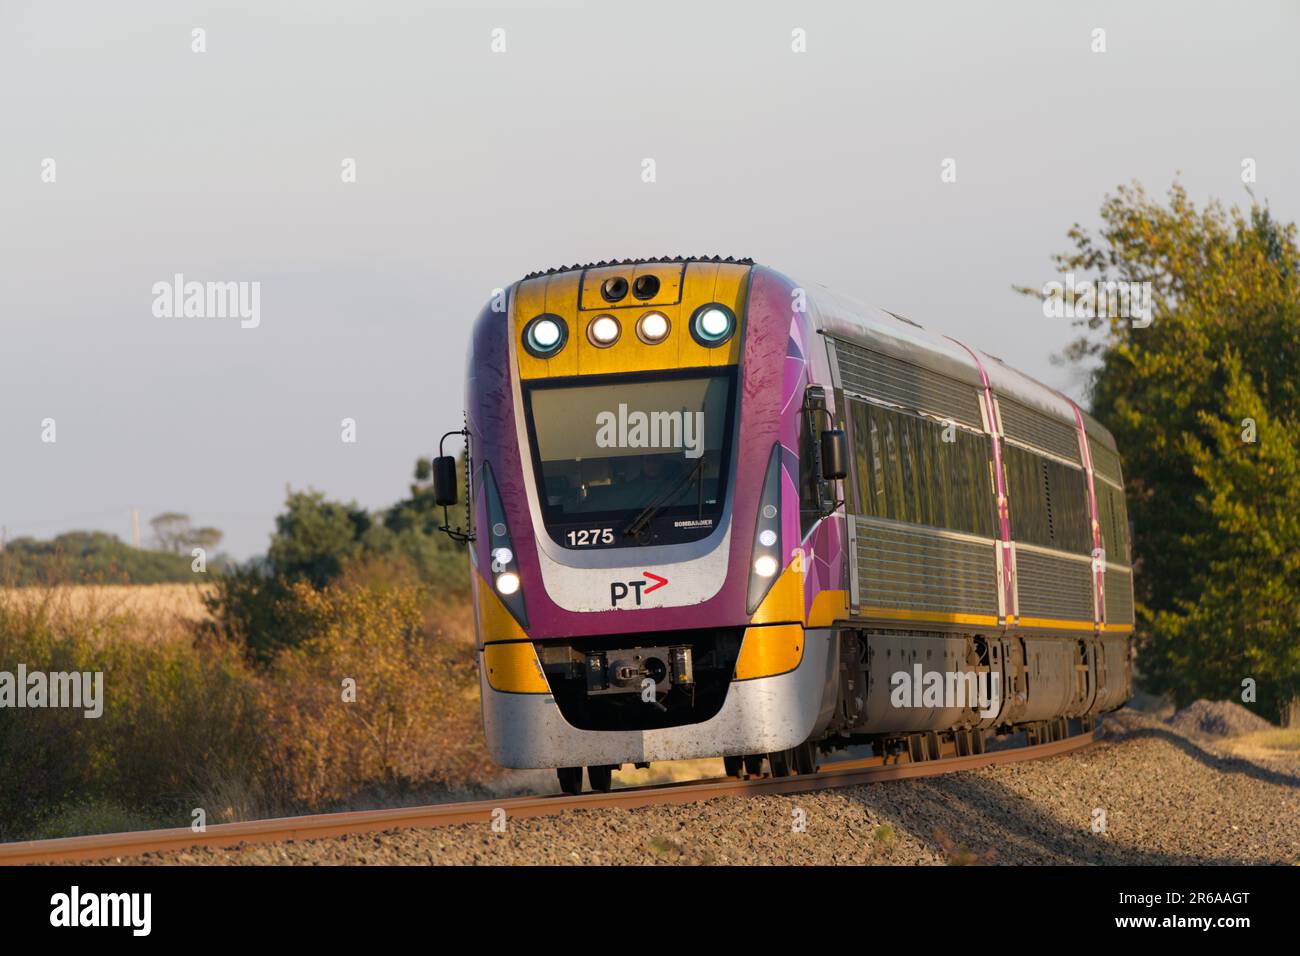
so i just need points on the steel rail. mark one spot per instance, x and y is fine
(846, 773)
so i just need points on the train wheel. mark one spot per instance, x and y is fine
(780, 763)
(805, 757)
(733, 765)
(915, 748)
(934, 748)
(601, 778)
(753, 764)
(570, 779)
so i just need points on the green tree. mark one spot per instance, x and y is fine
(314, 538)
(87, 557)
(1246, 620)
(1216, 539)
(323, 542)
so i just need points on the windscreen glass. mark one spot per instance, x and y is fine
(631, 461)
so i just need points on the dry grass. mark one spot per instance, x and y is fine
(670, 771)
(153, 611)
(1267, 744)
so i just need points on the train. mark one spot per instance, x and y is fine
(711, 511)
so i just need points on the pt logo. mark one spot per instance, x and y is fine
(618, 590)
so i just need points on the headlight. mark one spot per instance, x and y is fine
(652, 327)
(502, 572)
(713, 324)
(766, 554)
(603, 331)
(545, 335)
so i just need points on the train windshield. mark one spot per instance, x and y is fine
(631, 460)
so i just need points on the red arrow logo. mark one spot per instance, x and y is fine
(658, 581)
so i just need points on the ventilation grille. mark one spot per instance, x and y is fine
(636, 262)
(917, 570)
(1119, 597)
(1049, 586)
(873, 375)
(1104, 461)
(1036, 429)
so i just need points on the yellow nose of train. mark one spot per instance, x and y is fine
(629, 318)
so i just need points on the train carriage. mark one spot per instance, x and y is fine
(714, 512)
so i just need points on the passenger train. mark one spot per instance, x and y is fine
(712, 511)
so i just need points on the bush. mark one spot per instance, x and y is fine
(323, 542)
(177, 718)
(255, 612)
(371, 699)
(88, 557)
(192, 721)
(314, 537)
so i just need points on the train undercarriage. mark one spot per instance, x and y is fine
(914, 695)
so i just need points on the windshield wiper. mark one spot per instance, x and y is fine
(659, 503)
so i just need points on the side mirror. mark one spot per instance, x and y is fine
(835, 454)
(444, 480)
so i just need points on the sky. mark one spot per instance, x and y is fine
(474, 166)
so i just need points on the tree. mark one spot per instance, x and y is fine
(87, 557)
(313, 538)
(171, 530)
(206, 538)
(1246, 620)
(320, 542)
(1216, 538)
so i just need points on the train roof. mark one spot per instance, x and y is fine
(604, 263)
(901, 338)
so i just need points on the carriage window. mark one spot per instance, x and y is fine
(1048, 500)
(1113, 520)
(905, 471)
(1124, 552)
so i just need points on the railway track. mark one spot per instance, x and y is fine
(844, 773)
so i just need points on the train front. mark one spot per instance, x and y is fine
(642, 587)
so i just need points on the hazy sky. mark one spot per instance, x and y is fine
(476, 167)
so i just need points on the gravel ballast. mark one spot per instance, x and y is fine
(1149, 793)
(1217, 718)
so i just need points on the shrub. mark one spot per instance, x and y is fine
(255, 612)
(193, 722)
(176, 717)
(413, 719)
(88, 557)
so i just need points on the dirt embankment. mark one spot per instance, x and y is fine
(1151, 792)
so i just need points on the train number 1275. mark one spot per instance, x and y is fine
(587, 537)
